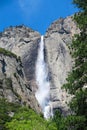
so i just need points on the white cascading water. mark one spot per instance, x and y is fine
(43, 92)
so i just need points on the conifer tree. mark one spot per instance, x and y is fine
(77, 79)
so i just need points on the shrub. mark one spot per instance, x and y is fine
(7, 53)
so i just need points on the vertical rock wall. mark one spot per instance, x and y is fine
(57, 38)
(24, 42)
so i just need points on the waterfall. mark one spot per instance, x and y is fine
(42, 79)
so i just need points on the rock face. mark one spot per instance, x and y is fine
(18, 84)
(12, 83)
(23, 42)
(57, 38)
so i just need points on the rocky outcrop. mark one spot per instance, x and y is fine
(57, 38)
(23, 42)
(12, 83)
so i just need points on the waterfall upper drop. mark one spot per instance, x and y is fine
(42, 79)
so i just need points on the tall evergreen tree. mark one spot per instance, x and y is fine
(77, 79)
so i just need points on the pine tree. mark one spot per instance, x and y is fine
(77, 79)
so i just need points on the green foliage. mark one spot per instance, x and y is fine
(27, 119)
(58, 119)
(24, 118)
(5, 109)
(7, 53)
(71, 122)
(74, 122)
(81, 18)
(79, 103)
(77, 79)
(81, 4)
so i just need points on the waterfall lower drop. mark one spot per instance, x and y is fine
(42, 79)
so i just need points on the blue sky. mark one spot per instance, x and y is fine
(36, 14)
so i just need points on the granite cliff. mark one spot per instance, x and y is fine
(24, 42)
(57, 39)
(17, 63)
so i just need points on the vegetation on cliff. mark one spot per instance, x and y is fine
(16, 117)
(6, 109)
(7, 53)
(77, 79)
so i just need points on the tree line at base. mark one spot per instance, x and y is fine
(25, 118)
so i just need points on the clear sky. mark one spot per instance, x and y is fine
(36, 14)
